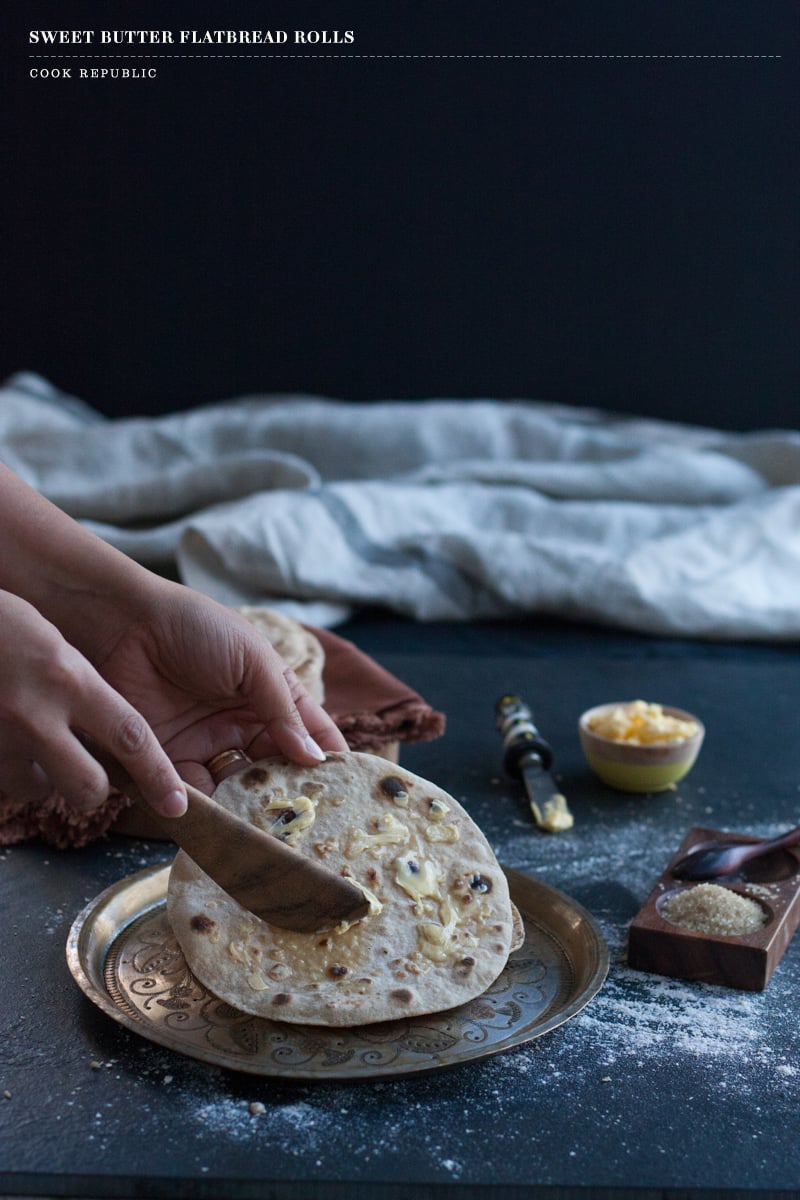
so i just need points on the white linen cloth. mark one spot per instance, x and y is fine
(437, 509)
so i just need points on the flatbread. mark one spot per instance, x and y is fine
(518, 929)
(445, 926)
(297, 646)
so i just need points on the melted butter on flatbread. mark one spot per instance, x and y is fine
(441, 833)
(274, 817)
(238, 953)
(388, 832)
(440, 942)
(418, 879)
(257, 982)
(437, 809)
(437, 830)
(375, 906)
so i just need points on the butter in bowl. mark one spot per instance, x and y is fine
(636, 746)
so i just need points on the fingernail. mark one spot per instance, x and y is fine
(313, 749)
(174, 804)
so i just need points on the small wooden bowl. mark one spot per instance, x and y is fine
(634, 768)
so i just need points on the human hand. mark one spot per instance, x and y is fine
(206, 681)
(50, 694)
(175, 669)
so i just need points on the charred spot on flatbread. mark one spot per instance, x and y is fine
(280, 971)
(201, 923)
(480, 883)
(394, 788)
(403, 995)
(254, 778)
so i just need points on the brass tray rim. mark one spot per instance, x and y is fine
(84, 927)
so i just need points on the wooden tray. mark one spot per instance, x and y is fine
(747, 961)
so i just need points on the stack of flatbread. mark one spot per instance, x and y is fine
(441, 923)
(297, 646)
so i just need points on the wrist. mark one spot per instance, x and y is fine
(95, 607)
(89, 590)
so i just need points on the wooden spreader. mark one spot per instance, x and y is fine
(267, 877)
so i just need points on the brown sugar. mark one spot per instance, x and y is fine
(709, 908)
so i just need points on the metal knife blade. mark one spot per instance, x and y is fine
(527, 756)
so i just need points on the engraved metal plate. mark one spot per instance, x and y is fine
(124, 956)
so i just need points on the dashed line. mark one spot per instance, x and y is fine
(346, 56)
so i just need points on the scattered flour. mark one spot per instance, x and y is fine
(233, 1118)
(670, 1017)
(608, 863)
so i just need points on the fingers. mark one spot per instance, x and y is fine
(293, 723)
(51, 758)
(73, 772)
(122, 732)
(238, 694)
(50, 693)
(22, 781)
(300, 729)
(207, 776)
(66, 766)
(198, 776)
(318, 723)
(58, 764)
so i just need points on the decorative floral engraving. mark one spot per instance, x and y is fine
(147, 974)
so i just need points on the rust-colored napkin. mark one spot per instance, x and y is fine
(55, 822)
(370, 705)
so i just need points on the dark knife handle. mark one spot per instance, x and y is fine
(523, 745)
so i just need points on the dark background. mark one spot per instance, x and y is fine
(619, 232)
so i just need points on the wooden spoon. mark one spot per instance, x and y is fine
(280, 885)
(711, 860)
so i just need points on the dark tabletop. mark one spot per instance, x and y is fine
(659, 1087)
